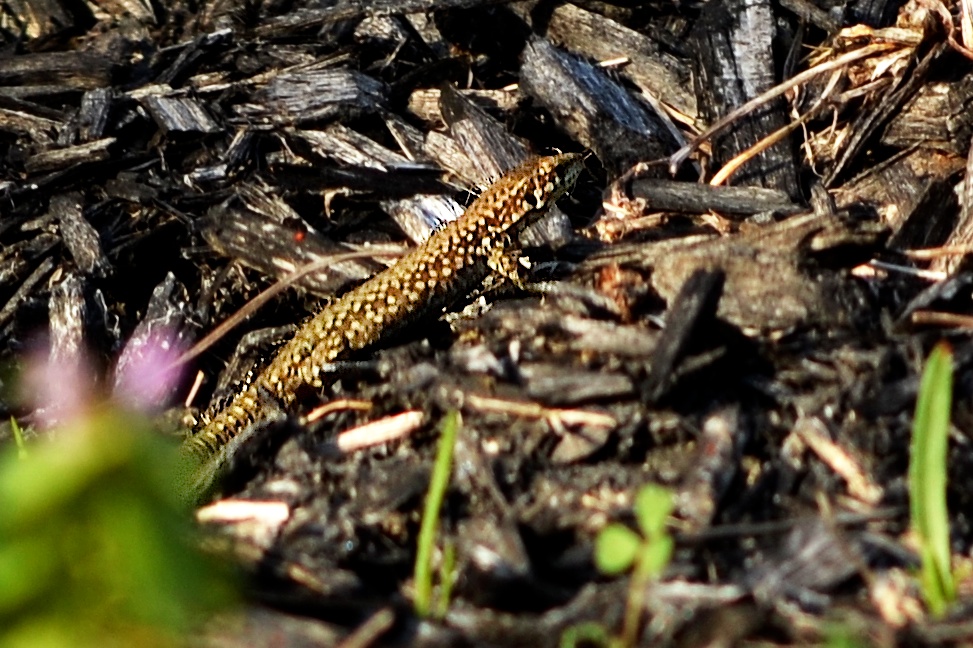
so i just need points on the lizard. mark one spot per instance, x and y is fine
(452, 262)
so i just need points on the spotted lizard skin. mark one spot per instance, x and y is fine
(448, 266)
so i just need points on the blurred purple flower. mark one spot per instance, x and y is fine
(57, 387)
(147, 373)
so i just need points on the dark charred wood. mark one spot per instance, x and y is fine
(595, 110)
(694, 198)
(39, 129)
(75, 70)
(299, 175)
(820, 17)
(24, 293)
(950, 294)
(70, 157)
(780, 250)
(663, 76)
(79, 236)
(356, 10)
(693, 308)
(193, 55)
(18, 258)
(410, 139)
(354, 150)
(68, 321)
(179, 114)
(165, 327)
(278, 242)
(913, 191)
(238, 157)
(875, 13)
(315, 96)
(485, 142)
(734, 64)
(962, 234)
(94, 113)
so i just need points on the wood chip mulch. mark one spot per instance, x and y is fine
(736, 301)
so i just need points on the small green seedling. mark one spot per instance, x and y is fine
(430, 523)
(619, 549)
(927, 479)
(589, 632)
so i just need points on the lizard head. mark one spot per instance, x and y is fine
(529, 190)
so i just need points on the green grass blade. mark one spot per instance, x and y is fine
(18, 438)
(927, 478)
(447, 578)
(430, 515)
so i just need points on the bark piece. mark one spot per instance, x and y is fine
(266, 234)
(316, 95)
(695, 198)
(595, 110)
(734, 64)
(79, 236)
(93, 117)
(939, 116)
(692, 307)
(771, 282)
(912, 192)
(67, 311)
(596, 37)
(180, 115)
(71, 157)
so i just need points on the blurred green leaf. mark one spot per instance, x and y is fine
(616, 548)
(656, 556)
(25, 570)
(927, 478)
(588, 632)
(842, 635)
(95, 547)
(653, 504)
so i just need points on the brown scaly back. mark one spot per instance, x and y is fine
(453, 261)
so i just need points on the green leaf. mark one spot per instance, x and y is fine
(927, 478)
(656, 556)
(615, 549)
(94, 547)
(589, 632)
(653, 504)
